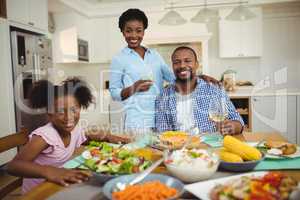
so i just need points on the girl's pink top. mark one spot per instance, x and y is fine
(56, 154)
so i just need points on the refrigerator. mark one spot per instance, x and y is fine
(31, 60)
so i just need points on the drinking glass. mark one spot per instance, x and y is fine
(217, 111)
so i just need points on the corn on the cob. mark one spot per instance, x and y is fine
(229, 157)
(245, 151)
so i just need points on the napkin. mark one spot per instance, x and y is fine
(276, 164)
(75, 162)
(212, 139)
(141, 142)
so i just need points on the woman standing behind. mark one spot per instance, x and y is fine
(137, 73)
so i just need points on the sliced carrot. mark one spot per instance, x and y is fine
(153, 190)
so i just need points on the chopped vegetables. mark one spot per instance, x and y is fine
(102, 157)
(271, 186)
(153, 190)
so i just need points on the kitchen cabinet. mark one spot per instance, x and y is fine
(99, 44)
(7, 114)
(240, 38)
(242, 105)
(3, 8)
(275, 114)
(115, 39)
(298, 119)
(101, 36)
(31, 13)
(69, 28)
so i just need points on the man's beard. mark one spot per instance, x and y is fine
(184, 80)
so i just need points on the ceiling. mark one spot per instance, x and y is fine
(104, 8)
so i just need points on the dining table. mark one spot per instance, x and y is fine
(92, 190)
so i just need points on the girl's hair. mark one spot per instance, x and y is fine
(132, 14)
(44, 93)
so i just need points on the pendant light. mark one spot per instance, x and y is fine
(240, 13)
(206, 15)
(172, 18)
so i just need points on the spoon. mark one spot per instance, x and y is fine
(121, 186)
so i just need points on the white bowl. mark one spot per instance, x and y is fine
(190, 173)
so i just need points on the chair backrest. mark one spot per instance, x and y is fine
(13, 140)
(9, 183)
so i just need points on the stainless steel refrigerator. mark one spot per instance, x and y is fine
(31, 59)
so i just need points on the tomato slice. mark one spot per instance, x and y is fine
(135, 169)
(95, 152)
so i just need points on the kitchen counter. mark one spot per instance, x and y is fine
(248, 91)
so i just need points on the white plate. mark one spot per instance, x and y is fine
(202, 189)
(294, 155)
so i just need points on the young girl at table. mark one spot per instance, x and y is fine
(50, 146)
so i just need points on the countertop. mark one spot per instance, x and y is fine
(248, 91)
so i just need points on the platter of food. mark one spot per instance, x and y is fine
(278, 149)
(175, 140)
(107, 160)
(153, 186)
(238, 156)
(255, 185)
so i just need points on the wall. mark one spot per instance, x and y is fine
(281, 47)
(7, 122)
(97, 114)
(282, 44)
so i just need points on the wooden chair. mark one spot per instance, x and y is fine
(9, 183)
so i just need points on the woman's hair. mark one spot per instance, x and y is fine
(132, 14)
(44, 93)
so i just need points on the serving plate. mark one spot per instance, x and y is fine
(240, 166)
(271, 156)
(167, 180)
(202, 189)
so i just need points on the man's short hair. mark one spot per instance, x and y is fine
(132, 14)
(185, 48)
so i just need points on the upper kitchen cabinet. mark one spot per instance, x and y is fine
(70, 27)
(240, 38)
(28, 14)
(115, 37)
(98, 47)
(275, 114)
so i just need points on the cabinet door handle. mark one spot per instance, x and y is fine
(255, 99)
(31, 23)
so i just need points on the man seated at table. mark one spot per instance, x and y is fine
(185, 104)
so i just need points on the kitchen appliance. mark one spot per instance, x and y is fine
(31, 59)
(83, 50)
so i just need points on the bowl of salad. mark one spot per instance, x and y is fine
(107, 160)
(192, 165)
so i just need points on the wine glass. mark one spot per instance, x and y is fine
(217, 111)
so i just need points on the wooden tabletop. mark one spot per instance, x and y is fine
(46, 189)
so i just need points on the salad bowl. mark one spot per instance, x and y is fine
(107, 161)
(192, 165)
